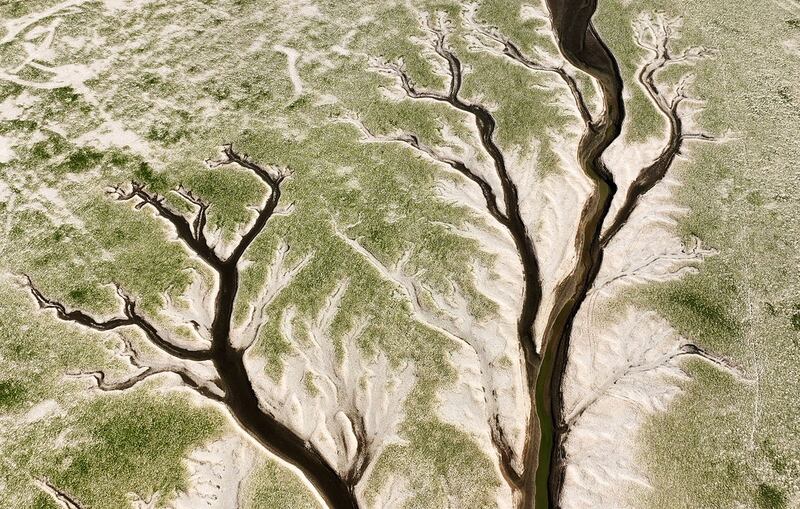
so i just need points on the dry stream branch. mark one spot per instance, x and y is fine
(535, 474)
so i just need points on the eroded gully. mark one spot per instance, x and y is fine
(581, 45)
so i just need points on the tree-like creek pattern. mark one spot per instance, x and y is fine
(447, 301)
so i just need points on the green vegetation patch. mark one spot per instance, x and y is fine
(135, 443)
